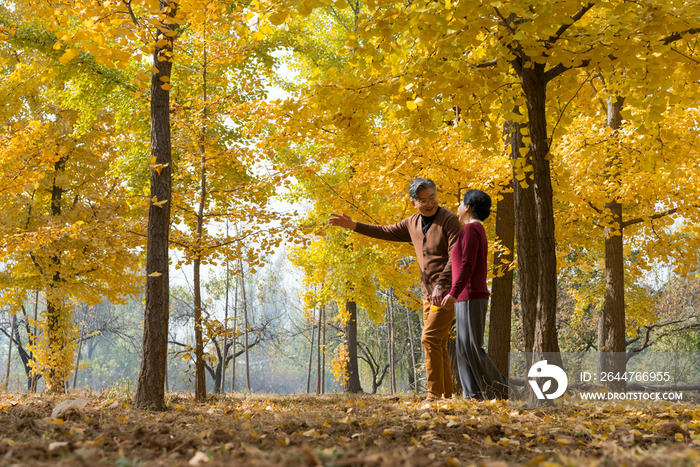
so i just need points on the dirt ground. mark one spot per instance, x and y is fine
(342, 430)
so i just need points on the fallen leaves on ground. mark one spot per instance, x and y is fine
(344, 430)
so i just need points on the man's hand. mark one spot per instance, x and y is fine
(436, 297)
(448, 301)
(342, 220)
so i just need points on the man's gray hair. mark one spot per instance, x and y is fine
(419, 184)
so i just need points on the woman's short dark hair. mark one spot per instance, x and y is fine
(420, 184)
(480, 203)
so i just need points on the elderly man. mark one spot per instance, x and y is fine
(433, 230)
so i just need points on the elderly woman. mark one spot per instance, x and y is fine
(479, 376)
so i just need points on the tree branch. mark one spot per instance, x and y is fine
(551, 136)
(648, 342)
(505, 21)
(595, 91)
(655, 216)
(488, 64)
(564, 27)
(679, 35)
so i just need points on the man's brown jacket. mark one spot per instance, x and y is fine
(432, 250)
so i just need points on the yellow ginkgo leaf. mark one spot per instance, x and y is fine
(166, 86)
(69, 55)
(155, 274)
(159, 203)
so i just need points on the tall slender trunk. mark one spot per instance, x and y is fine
(318, 352)
(9, 351)
(611, 337)
(151, 386)
(80, 348)
(33, 378)
(392, 370)
(413, 350)
(223, 358)
(502, 284)
(311, 356)
(245, 323)
(235, 336)
(352, 382)
(322, 332)
(201, 380)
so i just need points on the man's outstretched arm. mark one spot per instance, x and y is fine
(394, 233)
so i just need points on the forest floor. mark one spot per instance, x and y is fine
(342, 430)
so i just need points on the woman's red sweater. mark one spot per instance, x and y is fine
(469, 263)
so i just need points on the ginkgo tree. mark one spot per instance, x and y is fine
(634, 186)
(111, 34)
(211, 103)
(63, 214)
(389, 157)
(428, 58)
(220, 177)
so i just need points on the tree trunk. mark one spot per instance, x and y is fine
(216, 376)
(611, 341)
(80, 348)
(151, 385)
(33, 378)
(413, 350)
(311, 356)
(235, 336)
(56, 324)
(535, 87)
(57, 316)
(525, 219)
(322, 331)
(200, 376)
(352, 383)
(502, 284)
(318, 352)
(245, 323)
(27, 357)
(223, 359)
(454, 367)
(392, 369)
(9, 351)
